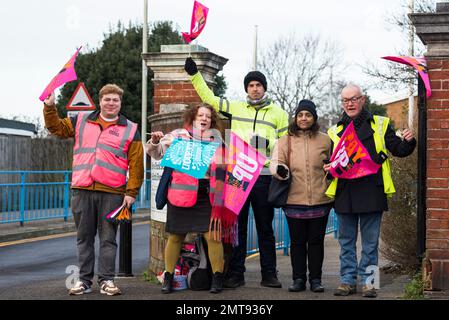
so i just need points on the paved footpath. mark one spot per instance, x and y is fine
(136, 288)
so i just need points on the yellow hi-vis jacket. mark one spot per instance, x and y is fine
(380, 126)
(269, 122)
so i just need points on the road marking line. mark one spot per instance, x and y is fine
(54, 236)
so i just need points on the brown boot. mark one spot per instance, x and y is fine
(345, 289)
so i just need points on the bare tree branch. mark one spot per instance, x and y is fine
(301, 68)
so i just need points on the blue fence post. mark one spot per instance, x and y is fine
(22, 198)
(286, 234)
(66, 196)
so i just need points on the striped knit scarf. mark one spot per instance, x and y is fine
(223, 222)
(260, 103)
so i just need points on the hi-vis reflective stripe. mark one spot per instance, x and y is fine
(257, 121)
(186, 187)
(221, 105)
(282, 130)
(126, 134)
(100, 164)
(118, 153)
(84, 150)
(110, 167)
(81, 132)
(82, 167)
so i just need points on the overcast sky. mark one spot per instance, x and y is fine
(38, 37)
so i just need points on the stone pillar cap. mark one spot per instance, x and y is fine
(433, 30)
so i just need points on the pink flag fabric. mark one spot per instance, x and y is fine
(419, 64)
(66, 74)
(350, 159)
(198, 22)
(244, 165)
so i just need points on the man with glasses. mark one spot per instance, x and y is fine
(361, 201)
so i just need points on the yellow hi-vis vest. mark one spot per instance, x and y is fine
(380, 126)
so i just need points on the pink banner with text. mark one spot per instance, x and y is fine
(244, 165)
(350, 159)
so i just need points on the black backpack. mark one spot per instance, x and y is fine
(200, 272)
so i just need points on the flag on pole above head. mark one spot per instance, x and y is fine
(66, 74)
(350, 159)
(198, 22)
(419, 64)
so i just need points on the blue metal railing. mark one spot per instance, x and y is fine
(25, 200)
(281, 233)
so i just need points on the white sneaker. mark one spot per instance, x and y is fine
(108, 287)
(79, 289)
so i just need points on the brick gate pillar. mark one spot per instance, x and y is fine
(433, 30)
(173, 91)
(171, 83)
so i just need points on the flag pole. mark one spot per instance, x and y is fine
(144, 92)
(255, 48)
(411, 98)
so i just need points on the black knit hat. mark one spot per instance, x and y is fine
(255, 76)
(306, 105)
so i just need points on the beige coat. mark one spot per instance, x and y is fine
(309, 180)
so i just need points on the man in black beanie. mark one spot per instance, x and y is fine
(259, 122)
(255, 76)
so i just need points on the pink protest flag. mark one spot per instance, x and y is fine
(198, 22)
(419, 64)
(66, 74)
(350, 159)
(243, 168)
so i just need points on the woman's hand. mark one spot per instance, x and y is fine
(156, 136)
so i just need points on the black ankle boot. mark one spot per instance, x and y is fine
(316, 286)
(167, 285)
(297, 286)
(217, 282)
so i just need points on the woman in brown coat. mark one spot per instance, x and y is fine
(307, 207)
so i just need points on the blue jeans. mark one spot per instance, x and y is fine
(347, 237)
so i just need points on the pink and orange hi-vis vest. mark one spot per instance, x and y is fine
(101, 155)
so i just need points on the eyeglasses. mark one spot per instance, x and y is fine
(353, 100)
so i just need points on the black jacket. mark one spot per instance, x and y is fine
(366, 194)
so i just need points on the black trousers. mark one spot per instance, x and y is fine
(307, 246)
(263, 216)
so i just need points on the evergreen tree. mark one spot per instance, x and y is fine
(118, 60)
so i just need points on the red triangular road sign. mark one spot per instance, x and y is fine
(80, 99)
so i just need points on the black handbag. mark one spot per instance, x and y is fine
(162, 189)
(278, 190)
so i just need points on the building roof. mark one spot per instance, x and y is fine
(16, 127)
(395, 99)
